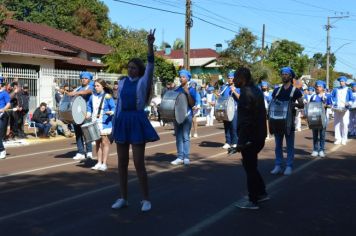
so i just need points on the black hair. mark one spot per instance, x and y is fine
(245, 73)
(139, 63)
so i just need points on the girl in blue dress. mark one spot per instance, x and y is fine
(131, 125)
(102, 97)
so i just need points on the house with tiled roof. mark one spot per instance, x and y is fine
(202, 60)
(35, 46)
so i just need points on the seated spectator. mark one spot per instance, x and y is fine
(41, 119)
(56, 123)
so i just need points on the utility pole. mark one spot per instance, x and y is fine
(263, 42)
(188, 25)
(328, 27)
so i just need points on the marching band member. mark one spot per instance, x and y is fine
(182, 130)
(267, 95)
(195, 109)
(352, 127)
(252, 132)
(100, 109)
(283, 94)
(298, 117)
(230, 127)
(4, 105)
(210, 101)
(319, 134)
(342, 97)
(85, 90)
(131, 125)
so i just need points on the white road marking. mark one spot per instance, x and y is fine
(111, 154)
(196, 229)
(78, 196)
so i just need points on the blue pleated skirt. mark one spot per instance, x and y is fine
(133, 127)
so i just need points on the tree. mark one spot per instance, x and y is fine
(4, 14)
(178, 44)
(320, 60)
(85, 18)
(288, 53)
(241, 51)
(165, 71)
(164, 45)
(127, 44)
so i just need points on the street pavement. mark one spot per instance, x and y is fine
(43, 191)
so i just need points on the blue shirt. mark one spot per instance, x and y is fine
(4, 99)
(90, 86)
(326, 99)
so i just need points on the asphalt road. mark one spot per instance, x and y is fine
(43, 191)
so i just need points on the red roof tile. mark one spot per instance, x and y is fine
(194, 53)
(16, 42)
(60, 36)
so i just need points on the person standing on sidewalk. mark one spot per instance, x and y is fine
(285, 93)
(85, 90)
(352, 125)
(252, 133)
(4, 105)
(131, 125)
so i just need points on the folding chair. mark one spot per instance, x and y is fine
(31, 124)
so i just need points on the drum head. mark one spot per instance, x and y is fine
(230, 109)
(181, 108)
(79, 110)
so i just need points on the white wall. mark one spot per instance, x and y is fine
(47, 63)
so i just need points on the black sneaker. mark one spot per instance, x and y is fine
(247, 205)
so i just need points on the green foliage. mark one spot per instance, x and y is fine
(241, 51)
(178, 44)
(4, 14)
(85, 18)
(165, 71)
(319, 60)
(127, 44)
(288, 53)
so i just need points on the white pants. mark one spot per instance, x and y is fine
(298, 120)
(352, 126)
(341, 125)
(210, 116)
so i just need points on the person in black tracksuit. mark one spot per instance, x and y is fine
(252, 132)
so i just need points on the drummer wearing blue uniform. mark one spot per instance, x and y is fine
(131, 125)
(4, 105)
(182, 130)
(284, 93)
(267, 98)
(352, 126)
(342, 99)
(101, 107)
(85, 90)
(319, 134)
(230, 127)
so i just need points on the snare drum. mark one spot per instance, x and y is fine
(316, 115)
(339, 109)
(225, 109)
(280, 118)
(174, 107)
(72, 109)
(91, 131)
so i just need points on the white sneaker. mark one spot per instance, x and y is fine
(195, 135)
(3, 154)
(226, 146)
(288, 171)
(79, 156)
(321, 154)
(276, 170)
(177, 161)
(103, 167)
(146, 205)
(234, 145)
(97, 166)
(120, 203)
(90, 155)
(314, 154)
(337, 142)
(343, 142)
(186, 161)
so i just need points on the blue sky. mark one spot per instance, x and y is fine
(302, 21)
